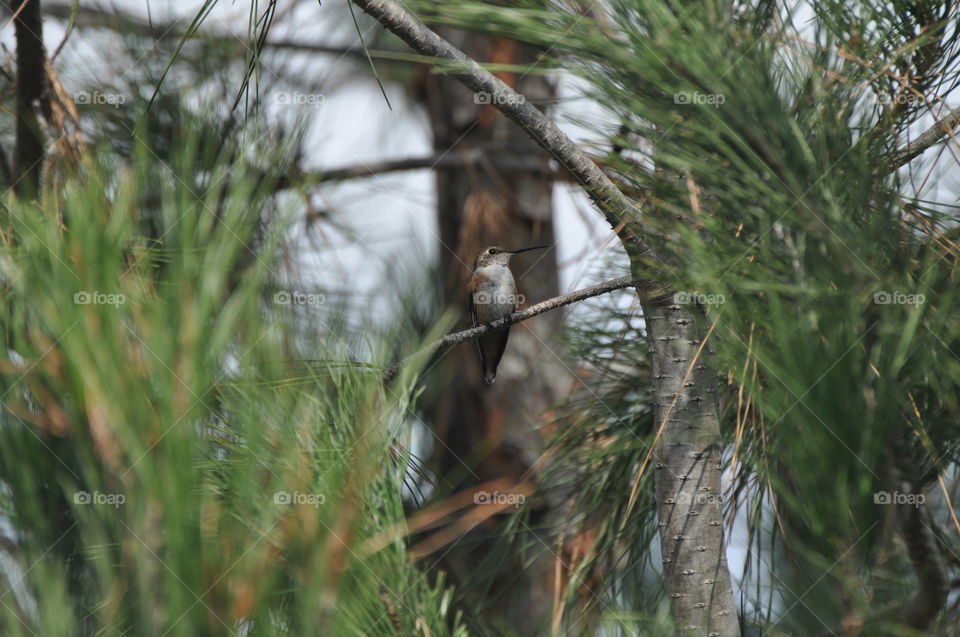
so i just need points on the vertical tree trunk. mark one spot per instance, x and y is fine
(32, 96)
(493, 428)
(687, 466)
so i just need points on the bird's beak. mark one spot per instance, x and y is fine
(526, 249)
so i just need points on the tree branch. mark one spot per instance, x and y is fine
(505, 161)
(928, 138)
(618, 210)
(454, 338)
(117, 20)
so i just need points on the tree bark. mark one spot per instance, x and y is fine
(32, 96)
(687, 468)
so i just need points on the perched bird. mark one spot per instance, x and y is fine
(493, 295)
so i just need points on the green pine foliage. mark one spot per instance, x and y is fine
(166, 469)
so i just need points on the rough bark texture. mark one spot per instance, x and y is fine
(687, 469)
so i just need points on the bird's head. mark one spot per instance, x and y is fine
(494, 255)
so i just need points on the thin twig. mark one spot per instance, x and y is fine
(472, 333)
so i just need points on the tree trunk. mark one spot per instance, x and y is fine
(32, 97)
(687, 468)
(490, 431)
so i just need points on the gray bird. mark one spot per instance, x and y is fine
(493, 295)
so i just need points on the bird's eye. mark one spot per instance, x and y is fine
(491, 251)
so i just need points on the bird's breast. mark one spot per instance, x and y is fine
(494, 293)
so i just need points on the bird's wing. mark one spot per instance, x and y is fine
(473, 318)
(500, 350)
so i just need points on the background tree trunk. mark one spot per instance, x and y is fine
(491, 431)
(32, 96)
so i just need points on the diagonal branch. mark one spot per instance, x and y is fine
(618, 210)
(472, 333)
(942, 128)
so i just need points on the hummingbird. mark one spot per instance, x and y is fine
(493, 295)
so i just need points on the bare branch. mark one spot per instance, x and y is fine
(928, 138)
(454, 338)
(514, 163)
